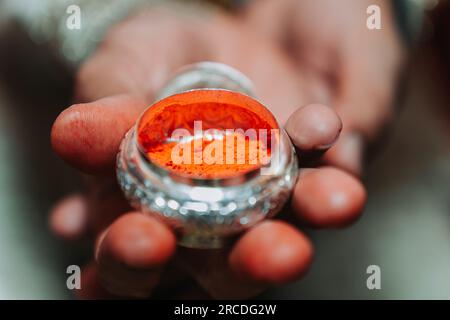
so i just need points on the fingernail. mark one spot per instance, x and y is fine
(314, 127)
(330, 144)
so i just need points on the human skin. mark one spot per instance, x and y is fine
(134, 253)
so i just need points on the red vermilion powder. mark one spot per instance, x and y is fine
(210, 156)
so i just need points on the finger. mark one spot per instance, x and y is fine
(69, 217)
(132, 254)
(272, 252)
(88, 135)
(328, 197)
(313, 128)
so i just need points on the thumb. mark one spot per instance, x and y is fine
(88, 135)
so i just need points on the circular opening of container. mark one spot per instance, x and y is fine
(207, 134)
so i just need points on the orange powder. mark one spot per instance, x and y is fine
(226, 151)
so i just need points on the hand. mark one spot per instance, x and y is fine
(135, 253)
(353, 69)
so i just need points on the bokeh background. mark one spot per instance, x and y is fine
(405, 228)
